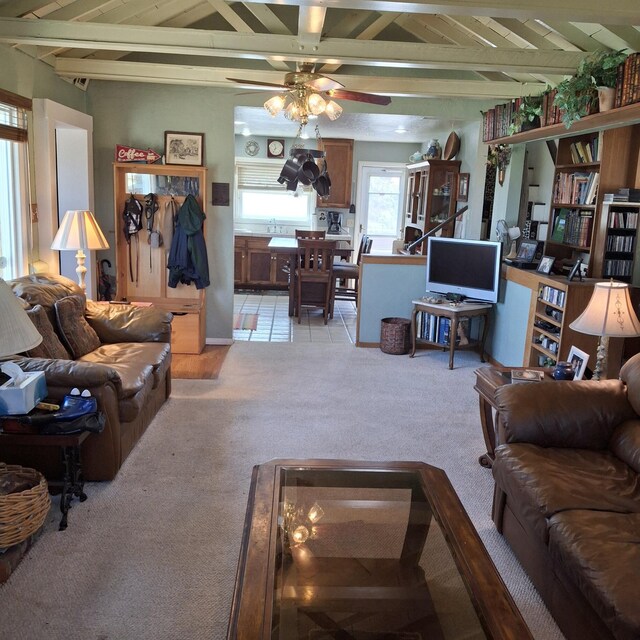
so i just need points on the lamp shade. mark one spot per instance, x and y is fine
(79, 230)
(17, 332)
(609, 312)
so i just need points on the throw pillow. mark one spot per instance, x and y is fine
(50, 347)
(76, 332)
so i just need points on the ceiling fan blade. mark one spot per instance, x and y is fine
(324, 84)
(266, 85)
(358, 96)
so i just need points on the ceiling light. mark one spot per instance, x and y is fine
(400, 130)
(333, 110)
(275, 105)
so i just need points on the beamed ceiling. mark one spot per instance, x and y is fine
(481, 49)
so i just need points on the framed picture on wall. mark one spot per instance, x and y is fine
(463, 187)
(181, 147)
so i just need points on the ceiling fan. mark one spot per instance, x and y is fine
(305, 93)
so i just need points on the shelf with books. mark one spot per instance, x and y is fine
(620, 244)
(571, 227)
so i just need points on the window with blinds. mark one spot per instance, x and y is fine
(14, 181)
(261, 198)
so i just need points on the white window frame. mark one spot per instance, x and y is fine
(272, 217)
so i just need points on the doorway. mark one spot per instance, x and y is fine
(381, 189)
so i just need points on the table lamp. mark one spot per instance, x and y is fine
(79, 230)
(609, 314)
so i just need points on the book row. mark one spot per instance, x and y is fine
(628, 81)
(620, 243)
(584, 151)
(437, 329)
(617, 268)
(576, 188)
(572, 226)
(623, 219)
(552, 295)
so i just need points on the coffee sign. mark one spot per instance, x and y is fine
(129, 154)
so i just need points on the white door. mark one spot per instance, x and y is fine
(380, 199)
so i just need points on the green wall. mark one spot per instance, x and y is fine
(137, 115)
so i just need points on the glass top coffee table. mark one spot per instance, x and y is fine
(346, 550)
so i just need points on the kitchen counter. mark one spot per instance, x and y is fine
(342, 237)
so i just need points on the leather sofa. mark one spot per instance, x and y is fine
(128, 370)
(567, 497)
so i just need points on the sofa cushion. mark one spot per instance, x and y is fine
(600, 552)
(156, 354)
(79, 337)
(630, 375)
(541, 482)
(625, 443)
(50, 347)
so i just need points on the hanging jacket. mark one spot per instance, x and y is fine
(188, 260)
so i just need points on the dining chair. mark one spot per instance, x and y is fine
(314, 275)
(345, 271)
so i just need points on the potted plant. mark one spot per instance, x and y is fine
(602, 66)
(528, 115)
(576, 96)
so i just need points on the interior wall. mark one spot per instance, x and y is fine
(137, 115)
(506, 203)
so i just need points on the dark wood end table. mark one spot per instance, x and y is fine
(488, 381)
(69, 443)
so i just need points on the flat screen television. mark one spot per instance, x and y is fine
(466, 268)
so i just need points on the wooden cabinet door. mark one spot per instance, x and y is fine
(280, 261)
(339, 155)
(258, 265)
(240, 261)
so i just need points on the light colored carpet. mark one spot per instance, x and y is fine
(152, 555)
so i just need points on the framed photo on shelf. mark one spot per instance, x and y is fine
(546, 264)
(578, 360)
(463, 187)
(181, 147)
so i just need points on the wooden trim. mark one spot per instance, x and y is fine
(372, 258)
(15, 100)
(629, 114)
(13, 133)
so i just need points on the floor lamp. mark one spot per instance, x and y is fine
(79, 230)
(609, 314)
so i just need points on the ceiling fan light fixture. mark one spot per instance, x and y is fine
(316, 104)
(275, 105)
(333, 110)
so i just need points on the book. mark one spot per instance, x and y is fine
(526, 375)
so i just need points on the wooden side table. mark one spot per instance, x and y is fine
(488, 380)
(454, 313)
(69, 444)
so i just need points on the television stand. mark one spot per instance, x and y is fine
(441, 325)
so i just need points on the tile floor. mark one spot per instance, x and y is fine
(275, 325)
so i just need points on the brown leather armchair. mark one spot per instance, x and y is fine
(129, 372)
(567, 497)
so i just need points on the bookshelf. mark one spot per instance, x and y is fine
(621, 240)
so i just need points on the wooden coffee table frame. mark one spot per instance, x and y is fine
(251, 611)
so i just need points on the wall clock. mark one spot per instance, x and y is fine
(275, 148)
(251, 148)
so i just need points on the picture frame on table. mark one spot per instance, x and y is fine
(546, 264)
(578, 360)
(184, 148)
(463, 187)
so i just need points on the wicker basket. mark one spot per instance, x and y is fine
(394, 335)
(22, 513)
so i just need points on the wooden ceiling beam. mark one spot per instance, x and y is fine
(197, 42)
(270, 20)
(310, 25)
(206, 76)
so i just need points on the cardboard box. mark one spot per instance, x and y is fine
(21, 399)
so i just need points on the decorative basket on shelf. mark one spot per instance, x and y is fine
(394, 335)
(24, 503)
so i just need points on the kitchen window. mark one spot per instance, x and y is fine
(262, 199)
(14, 180)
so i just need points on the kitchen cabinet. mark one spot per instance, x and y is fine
(431, 197)
(257, 266)
(141, 274)
(339, 159)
